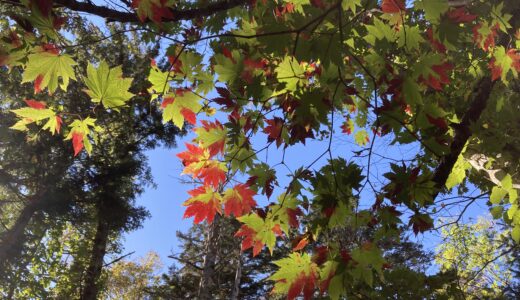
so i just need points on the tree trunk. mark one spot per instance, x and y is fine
(208, 270)
(238, 276)
(12, 241)
(91, 288)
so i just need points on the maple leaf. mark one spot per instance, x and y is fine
(198, 163)
(45, 68)
(36, 112)
(38, 84)
(257, 232)
(274, 130)
(461, 15)
(348, 126)
(439, 76)
(79, 134)
(155, 10)
(238, 200)
(392, 6)
(420, 223)
(301, 244)
(181, 107)
(225, 98)
(204, 204)
(485, 35)
(35, 104)
(212, 136)
(77, 142)
(297, 274)
(43, 6)
(107, 85)
(439, 122)
(496, 70)
(437, 45)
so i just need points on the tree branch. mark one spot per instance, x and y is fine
(116, 15)
(481, 93)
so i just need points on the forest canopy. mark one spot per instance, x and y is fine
(324, 141)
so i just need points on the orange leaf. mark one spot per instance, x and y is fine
(301, 244)
(77, 142)
(238, 200)
(35, 104)
(38, 83)
(189, 116)
(203, 204)
(392, 6)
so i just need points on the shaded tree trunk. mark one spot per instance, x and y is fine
(238, 276)
(207, 281)
(99, 248)
(12, 241)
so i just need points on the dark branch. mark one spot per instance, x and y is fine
(481, 94)
(125, 17)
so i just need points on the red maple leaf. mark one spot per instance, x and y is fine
(347, 127)
(301, 244)
(228, 54)
(38, 83)
(249, 239)
(167, 101)
(293, 214)
(225, 98)
(51, 48)
(487, 41)
(203, 205)
(211, 174)
(192, 155)
(35, 104)
(239, 200)
(392, 6)
(305, 284)
(461, 15)
(189, 116)
(274, 130)
(77, 142)
(513, 54)
(442, 77)
(218, 146)
(44, 6)
(160, 12)
(438, 122)
(437, 45)
(496, 70)
(59, 121)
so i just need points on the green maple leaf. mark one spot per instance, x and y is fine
(291, 73)
(159, 80)
(458, 172)
(410, 37)
(30, 115)
(361, 137)
(263, 229)
(433, 9)
(49, 67)
(174, 111)
(227, 69)
(84, 127)
(107, 85)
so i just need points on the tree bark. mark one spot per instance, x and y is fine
(208, 270)
(238, 276)
(99, 247)
(481, 93)
(12, 241)
(125, 16)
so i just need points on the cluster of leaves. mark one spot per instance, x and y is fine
(284, 73)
